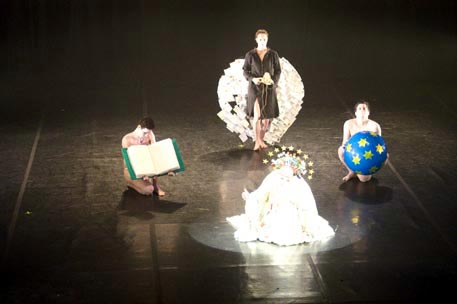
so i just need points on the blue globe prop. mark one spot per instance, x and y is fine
(365, 153)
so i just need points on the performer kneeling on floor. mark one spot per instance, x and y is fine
(142, 135)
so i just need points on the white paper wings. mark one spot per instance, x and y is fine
(232, 93)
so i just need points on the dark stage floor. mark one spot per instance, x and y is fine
(71, 232)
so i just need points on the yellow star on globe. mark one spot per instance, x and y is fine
(276, 150)
(374, 134)
(291, 148)
(265, 161)
(363, 142)
(310, 164)
(349, 147)
(356, 160)
(368, 154)
(270, 153)
(311, 171)
(379, 149)
(283, 147)
(305, 156)
(310, 177)
(358, 172)
(299, 151)
(373, 169)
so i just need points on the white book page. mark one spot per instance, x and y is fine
(141, 161)
(164, 156)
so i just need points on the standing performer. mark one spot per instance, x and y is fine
(142, 135)
(354, 125)
(262, 69)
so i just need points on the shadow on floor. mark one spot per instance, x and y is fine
(368, 193)
(140, 206)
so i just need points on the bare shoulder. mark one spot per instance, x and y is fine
(126, 140)
(348, 123)
(374, 124)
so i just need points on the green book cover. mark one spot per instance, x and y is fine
(178, 156)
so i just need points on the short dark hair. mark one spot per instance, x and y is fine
(361, 101)
(261, 31)
(146, 122)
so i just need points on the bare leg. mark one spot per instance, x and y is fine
(141, 186)
(257, 127)
(364, 178)
(263, 130)
(351, 174)
(156, 187)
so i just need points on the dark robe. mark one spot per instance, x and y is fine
(254, 67)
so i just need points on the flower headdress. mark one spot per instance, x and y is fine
(293, 158)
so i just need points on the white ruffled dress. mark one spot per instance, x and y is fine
(281, 211)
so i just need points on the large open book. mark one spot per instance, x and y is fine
(155, 159)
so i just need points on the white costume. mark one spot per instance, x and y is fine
(281, 211)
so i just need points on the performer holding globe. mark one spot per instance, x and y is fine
(354, 126)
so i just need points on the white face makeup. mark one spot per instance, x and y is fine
(362, 111)
(262, 40)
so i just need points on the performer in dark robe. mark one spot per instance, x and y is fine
(262, 69)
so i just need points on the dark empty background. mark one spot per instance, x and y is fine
(171, 49)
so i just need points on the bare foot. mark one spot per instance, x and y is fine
(159, 191)
(263, 145)
(349, 176)
(256, 147)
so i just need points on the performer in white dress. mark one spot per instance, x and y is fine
(282, 210)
